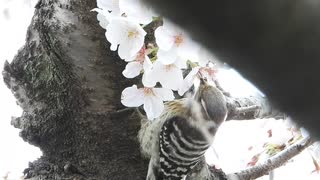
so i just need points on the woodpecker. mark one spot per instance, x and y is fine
(177, 140)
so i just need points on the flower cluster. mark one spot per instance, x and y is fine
(172, 53)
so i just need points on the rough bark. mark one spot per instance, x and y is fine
(69, 85)
(253, 107)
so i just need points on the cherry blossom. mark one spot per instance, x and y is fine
(167, 57)
(137, 63)
(106, 11)
(102, 16)
(127, 34)
(151, 98)
(207, 73)
(169, 75)
(188, 81)
(122, 20)
(136, 11)
(109, 5)
(173, 43)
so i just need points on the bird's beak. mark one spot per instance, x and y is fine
(212, 100)
(203, 82)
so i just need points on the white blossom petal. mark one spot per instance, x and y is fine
(113, 47)
(125, 50)
(101, 16)
(181, 63)
(147, 64)
(148, 80)
(188, 81)
(171, 37)
(188, 49)
(131, 46)
(169, 76)
(129, 36)
(208, 73)
(139, 56)
(167, 57)
(141, 18)
(164, 38)
(133, 58)
(105, 4)
(107, 10)
(132, 96)
(109, 5)
(103, 22)
(138, 42)
(153, 106)
(164, 94)
(135, 10)
(132, 69)
(116, 30)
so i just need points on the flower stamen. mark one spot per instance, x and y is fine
(132, 34)
(141, 55)
(148, 91)
(178, 39)
(208, 70)
(169, 67)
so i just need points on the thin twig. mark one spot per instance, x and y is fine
(142, 116)
(124, 110)
(274, 162)
(241, 110)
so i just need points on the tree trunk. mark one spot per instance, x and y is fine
(69, 86)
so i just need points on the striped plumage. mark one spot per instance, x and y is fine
(177, 140)
(181, 147)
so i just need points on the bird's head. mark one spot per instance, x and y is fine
(212, 101)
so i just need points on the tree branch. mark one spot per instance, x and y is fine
(272, 163)
(252, 107)
(242, 110)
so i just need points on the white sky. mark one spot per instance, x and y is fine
(15, 16)
(232, 141)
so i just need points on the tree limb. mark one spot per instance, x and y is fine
(242, 110)
(253, 107)
(274, 162)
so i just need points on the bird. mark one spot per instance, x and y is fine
(176, 141)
